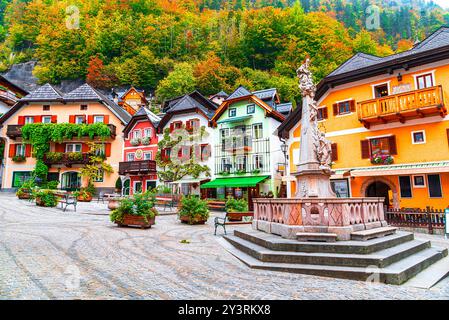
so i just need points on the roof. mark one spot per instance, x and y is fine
(142, 114)
(293, 118)
(195, 95)
(241, 91)
(44, 93)
(12, 86)
(188, 103)
(284, 108)
(266, 93)
(361, 66)
(47, 93)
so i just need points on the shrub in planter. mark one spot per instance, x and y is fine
(236, 205)
(193, 210)
(46, 198)
(54, 156)
(83, 195)
(145, 141)
(136, 210)
(118, 185)
(25, 191)
(18, 158)
(75, 156)
(135, 141)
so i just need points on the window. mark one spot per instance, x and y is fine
(150, 185)
(380, 146)
(73, 147)
(148, 132)
(321, 113)
(29, 120)
(434, 182)
(148, 156)
(98, 119)
(46, 119)
(343, 107)
(381, 90)
(405, 186)
(340, 187)
(20, 150)
(240, 163)
(83, 107)
(130, 156)
(251, 108)
(257, 131)
(100, 151)
(177, 125)
(232, 112)
(419, 182)
(185, 188)
(20, 177)
(79, 119)
(137, 186)
(100, 176)
(224, 133)
(226, 164)
(205, 152)
(46, 107)
(424, 81)
(258, 161)
(418, 137)
(137, 134)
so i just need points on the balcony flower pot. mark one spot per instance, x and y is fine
(19, 159)
(135, 211)
(382, 159)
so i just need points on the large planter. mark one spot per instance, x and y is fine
(24, 195)
(40, 203)
(130, 220)
(84, 199)
(192, 220)
(113, 204)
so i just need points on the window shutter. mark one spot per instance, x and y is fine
(60, 147)
(90, 119)
(447, 133)
(107, 149)
(106, 119)
(171, 127)
(12, 150)
(392, 143)
(180, 152)
(352, 105)
(54, 119)
(85, 148)
(335, 108)
(71, 119)
(21, 121)
(365, 149)
(37, 119)
(28, 150)
(325, 113)
(334, 152)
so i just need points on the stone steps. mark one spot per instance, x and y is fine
(391, 259)
(316, 236)
(430, 276)
(373, 233)
(380, 259)
(277, 243)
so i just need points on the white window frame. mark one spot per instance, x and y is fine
(415, 78)
(79, 117)
(245, 162)
(418, 131)
(229, 112)
(254, 125)
(22, 149)
(134, 186)
(133, 156)
(146, 183)
(373, 86)
(46, 117)
(135, 131)
(320, 108)
(148, 132)
(74, 147)
(96, 119)
(146, 153)
(261, 161)
(27, 118)
(424, 179)
(102, 176)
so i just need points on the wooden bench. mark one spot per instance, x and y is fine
(236, 217)
(166, 202)
(216, 205)
(67, 200)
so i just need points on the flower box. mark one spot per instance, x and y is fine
(130, 220)
(192, 220)
(382, 159)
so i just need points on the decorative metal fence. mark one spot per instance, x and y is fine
(429, 218)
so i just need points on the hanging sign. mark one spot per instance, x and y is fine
(139, 154)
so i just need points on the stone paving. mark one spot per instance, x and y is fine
(49, 254)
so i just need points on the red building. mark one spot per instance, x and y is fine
(138, 170)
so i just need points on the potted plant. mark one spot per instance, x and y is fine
(193, 210)
(145, 141)
(118, 185)
(382, 159)
(236, 205)
(135, 141)
(25, 191)
(137, 210)
(46, 198)
(18, 158)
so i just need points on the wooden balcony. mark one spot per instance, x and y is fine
(68, 159)
(137, 167)
(14, 131)
(402, 107)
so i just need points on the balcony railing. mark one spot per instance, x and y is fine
(137, 167)
(14, 131)
(8, 95)
(68, 159)
(402, 106)
(232, 144)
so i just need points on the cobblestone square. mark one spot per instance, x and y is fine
(46, 253)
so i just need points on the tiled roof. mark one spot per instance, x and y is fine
(241, 91)
(221, 94)
(44, 93)
(284, 108)
(186, 103)
(438, 39)
(84, 92)
(266, 93)
(143, 111)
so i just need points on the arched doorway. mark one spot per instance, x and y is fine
(379, 189)
(126, 187)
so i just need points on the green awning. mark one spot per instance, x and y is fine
(236, 182)
(235, 119)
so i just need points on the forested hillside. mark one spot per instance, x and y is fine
(175, 46)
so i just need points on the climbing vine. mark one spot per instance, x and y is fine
(41, 134)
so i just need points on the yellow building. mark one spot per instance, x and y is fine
(387, 119)
(48, 105)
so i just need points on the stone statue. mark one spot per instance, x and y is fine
(324, 152)
(305, 80)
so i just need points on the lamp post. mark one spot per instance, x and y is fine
(284, 149)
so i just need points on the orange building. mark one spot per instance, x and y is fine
(388, 123)
(131, 100)
(49, 105)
